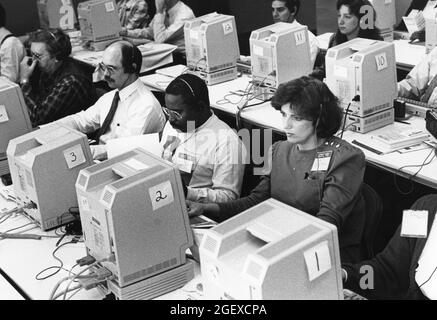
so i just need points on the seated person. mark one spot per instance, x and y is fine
(286, 11)
(54, 85)
(349, 16)
(11, 51)
(129, 110)
(414, 5)
(328, 189)
(394, 269)
(421, 81)
(133, 13)
(206, 150)
(167, 26)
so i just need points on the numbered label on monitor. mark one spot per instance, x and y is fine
(228, 27)
(74, 156)
(318, 260)
(67, 15)
(109, 6)
(381, 61)
(3, 114)
(161, 195)
(300, 37)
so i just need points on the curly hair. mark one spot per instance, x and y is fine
(312, 100)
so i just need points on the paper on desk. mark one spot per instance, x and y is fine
(156, 81)
(149, 142)
(173, 71)
(428, 264)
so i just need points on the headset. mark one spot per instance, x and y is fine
(202, 104)
(131, 65)
(60, 44)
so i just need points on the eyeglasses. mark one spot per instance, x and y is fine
(38, 56)
(171, 113)
(105, 68)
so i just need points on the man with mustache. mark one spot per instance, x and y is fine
(129, 110)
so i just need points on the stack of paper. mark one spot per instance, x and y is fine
(415, 21)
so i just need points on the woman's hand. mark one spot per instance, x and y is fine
(194, 208)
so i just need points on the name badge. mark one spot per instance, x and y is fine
(322, 160)
(184, 162)
(414, 224)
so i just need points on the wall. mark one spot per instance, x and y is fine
(21, 15)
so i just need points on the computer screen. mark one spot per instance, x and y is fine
(135, 222)
(14, 118)
(211, 45)
(271, 252)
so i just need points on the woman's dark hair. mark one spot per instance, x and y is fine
(192, 89)
(312, 100)
(354, 8)
(57, 42)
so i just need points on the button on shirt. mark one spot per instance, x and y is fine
(138, 113)
(212, 155)
(417, 81)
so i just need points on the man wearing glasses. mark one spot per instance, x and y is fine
(53, 84)
(129, 110)
(206, 150)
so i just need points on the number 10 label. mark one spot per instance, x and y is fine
(381, 61)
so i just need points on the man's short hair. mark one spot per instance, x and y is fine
(2, 16)
(291, 5)
(312, 100)
(131, 58)
(57, 42)
(192, 89)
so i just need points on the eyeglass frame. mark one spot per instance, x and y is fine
(110, 69)
(168, 112)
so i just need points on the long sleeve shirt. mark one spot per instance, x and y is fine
(333, 195)
(133, 13)
(138, 112)
(167, 27)
(11, 53)
(417, 81)
(210, 160)
(51, 97)
(395, 267)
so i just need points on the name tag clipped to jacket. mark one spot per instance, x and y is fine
(184, 162)
(322, 161)
(414, 224)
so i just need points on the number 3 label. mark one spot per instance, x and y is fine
(381, 61)
(74, 156)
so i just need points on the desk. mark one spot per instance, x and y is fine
(407, 54)
(155, 55)
(7, 291)
(265, 116)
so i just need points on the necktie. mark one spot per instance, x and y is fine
(110, 116)
(429, 90)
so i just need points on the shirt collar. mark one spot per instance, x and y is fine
(127, 91)
(174, 9)
(4, 32)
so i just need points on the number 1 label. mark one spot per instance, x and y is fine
(318, 260)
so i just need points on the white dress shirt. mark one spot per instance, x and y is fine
(11, 53)
(213, 156)
(167, 27)
(138, 112)
(415, 84)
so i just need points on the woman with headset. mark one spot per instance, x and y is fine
(312, 170)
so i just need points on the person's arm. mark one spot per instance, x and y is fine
(342, 185)
(163, 33)
(227, 176)
(11, 53)
(63, 95)
(386, 276)
(417, 80)
(138, 16)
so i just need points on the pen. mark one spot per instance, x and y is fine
(402, 121)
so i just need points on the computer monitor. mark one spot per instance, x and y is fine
(211, 46)
(385, 17)
(44, 166)
(14, 118)
(362, 74)
(134, 216)
(279, 53)
(271, 252)
(56, 14)
(99, 23)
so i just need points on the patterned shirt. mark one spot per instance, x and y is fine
(133, 13)
(51, 97)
